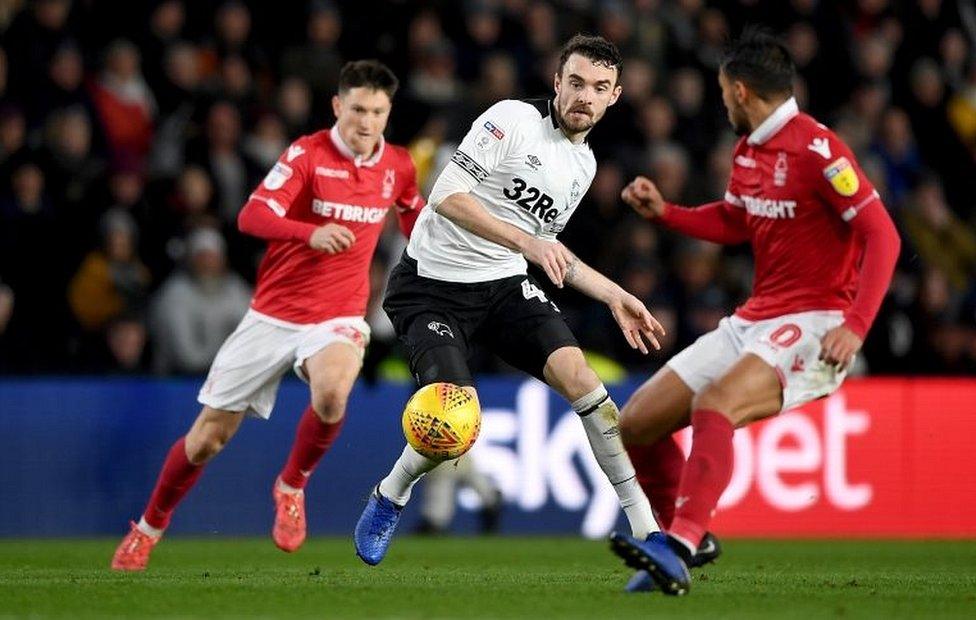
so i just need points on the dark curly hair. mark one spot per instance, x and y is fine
(596, 49)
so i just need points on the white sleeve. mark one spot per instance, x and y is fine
(491, 138)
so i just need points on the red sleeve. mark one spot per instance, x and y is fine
(409, 202)
(259, 218)
(874, 228)
(265, 215)
(837, 177)
(718, 222)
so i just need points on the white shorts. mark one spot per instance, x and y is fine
(789, 343)
(244, 376)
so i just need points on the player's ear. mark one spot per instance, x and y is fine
(616, 94)
(556, 82)
(740, 91)
(336, 105)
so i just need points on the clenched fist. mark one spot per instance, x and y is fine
(643, 196)
(331, 239)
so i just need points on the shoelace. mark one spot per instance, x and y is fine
(135, 543)
(291, 508)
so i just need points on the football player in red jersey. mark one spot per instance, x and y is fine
(321, 209)
(825, 249)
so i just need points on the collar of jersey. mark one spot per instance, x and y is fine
(776, 121)
(348, 153)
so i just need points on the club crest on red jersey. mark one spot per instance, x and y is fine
(780, 170)
(389, 180)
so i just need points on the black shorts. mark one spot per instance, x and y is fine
(439, 321)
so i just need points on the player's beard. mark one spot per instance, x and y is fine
(577, 126)
(740, 122)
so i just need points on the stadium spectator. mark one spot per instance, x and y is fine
(64, 86)
(37, 337)
(32, 39)
(111, 282)
(125, 105)
(295, 106)
(197, 308)
(942, 241)
(895, 146)
(219, 153)
(124, 347)
(317, 60)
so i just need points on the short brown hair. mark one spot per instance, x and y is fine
(369, 73)
(594, 48)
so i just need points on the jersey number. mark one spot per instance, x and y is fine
(786, 335)
(536, 202)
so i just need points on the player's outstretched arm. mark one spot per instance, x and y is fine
(467, 212)
(631, 315)
(718, 222)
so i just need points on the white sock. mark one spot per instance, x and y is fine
(409, 468)
(287, 488)
(145, 528)
(600, 417)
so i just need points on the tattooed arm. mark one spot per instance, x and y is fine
(631, 315)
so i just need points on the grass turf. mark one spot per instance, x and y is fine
(488, 577)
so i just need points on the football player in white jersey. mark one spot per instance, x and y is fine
(513, 183)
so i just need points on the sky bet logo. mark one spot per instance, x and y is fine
(789, 464)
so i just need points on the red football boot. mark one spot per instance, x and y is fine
(289, 525)
(133, 552)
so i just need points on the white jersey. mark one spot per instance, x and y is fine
(520, 165)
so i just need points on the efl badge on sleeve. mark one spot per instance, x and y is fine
(277, 177)
(842, 176)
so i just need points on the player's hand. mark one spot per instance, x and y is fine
(635, 322)
(643, 196)
(331, 239)
(838, 347)
(553, 257)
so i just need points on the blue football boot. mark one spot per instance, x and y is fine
(375, 528)
(708, 552)
(656, 556)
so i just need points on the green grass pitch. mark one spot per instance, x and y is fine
(483, 578)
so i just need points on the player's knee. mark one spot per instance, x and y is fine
(329, 403)
(570, 375)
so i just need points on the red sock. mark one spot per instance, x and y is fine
(176, 478)
(706, 474)
(313, 438)
(659, 467)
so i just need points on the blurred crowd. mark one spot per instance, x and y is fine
(131, 133)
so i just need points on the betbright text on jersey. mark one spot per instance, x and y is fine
(518, 163)
(799, 185)
(319, 180)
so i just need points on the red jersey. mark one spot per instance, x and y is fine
(317, 181)
(794, 193)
